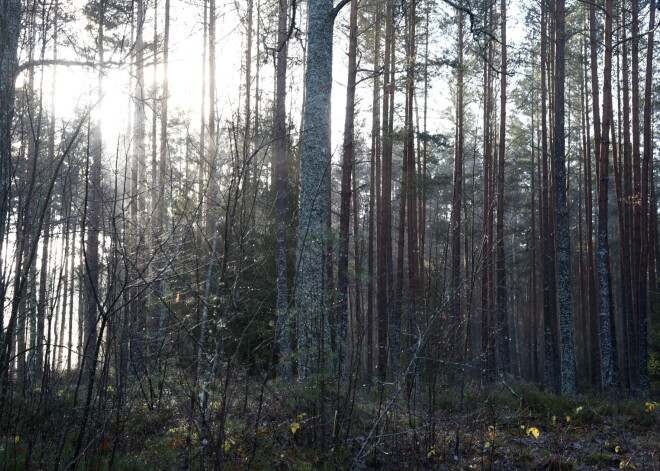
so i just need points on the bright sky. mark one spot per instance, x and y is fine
(75, 84)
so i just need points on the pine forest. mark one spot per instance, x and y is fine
(329, 234)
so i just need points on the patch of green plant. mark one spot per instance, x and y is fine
(544, 402)
(600, 459)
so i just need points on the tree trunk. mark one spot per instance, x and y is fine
(487, 324)
(647, 248)
(385, 268)
(139, 187)
(160, 250)
(348, 158)
(625, 198)
(92, 220)
(603, 258)
(551, 352)
(313, 329)
(374, 195)
(567, 330)
(503, 341)
(595, 103)
(638, 277)
(411, 191)
(10, 27)
(456, 207)
(283, 328)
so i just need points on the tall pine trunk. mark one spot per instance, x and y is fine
(565, 298)
(603, 256)
(649, 213)
(348, 157)
(385, 264)
(503, 341)
(456, 207)
(283, 328)
(374, 196)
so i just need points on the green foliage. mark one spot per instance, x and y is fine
(294, 430)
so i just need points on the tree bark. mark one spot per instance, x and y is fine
(374, 196)
(456, 207)
(603, 256)
(567, 329)
(595, 103)
(551, 341)
(638, 259)
(503, 341)
(313, 328)
(385, 263)
(487, 325)
(647, 248)
(283, 327)
(348, 158)
(10, 27)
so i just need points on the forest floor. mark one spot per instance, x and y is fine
(285, 426)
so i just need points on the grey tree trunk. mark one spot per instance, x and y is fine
(313, 328)
(564, 295)
(551, 353)
(603, 254)
(10, 26)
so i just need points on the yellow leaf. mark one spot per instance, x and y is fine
(577, 411)
(302, 416)
(554, 419)
(487, 445)
(227, 445)
(651, 406)
(568, 418)
(430, 453)
(17, 439)
(110, 389)
(617, 449)
(491, 428)
(533, 431)
(295, 426)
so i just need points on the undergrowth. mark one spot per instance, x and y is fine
(275, 425)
